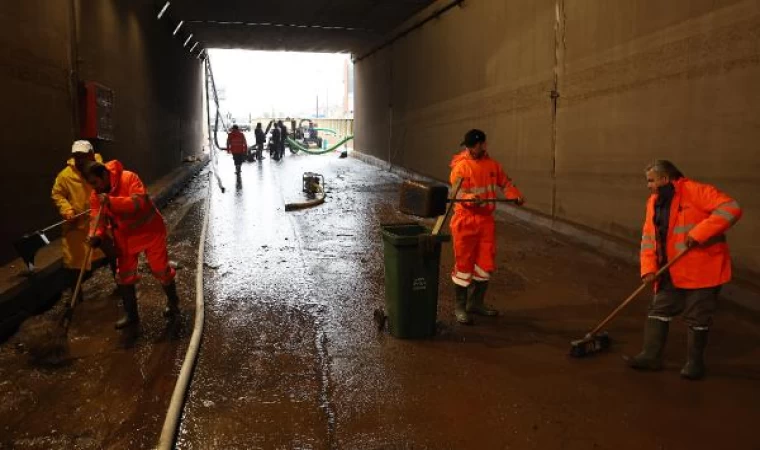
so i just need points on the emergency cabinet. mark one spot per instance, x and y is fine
(96, 111)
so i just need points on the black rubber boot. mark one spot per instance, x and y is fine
(695, 364)
(655, 335)
(460, 307)
(172, 300)
(475, 304)
(129, 300)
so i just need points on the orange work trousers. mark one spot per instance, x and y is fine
(474, 247)
(158, 260)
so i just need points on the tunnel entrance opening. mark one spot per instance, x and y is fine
(305, 97)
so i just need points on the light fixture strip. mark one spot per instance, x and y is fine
(163, 10)
(179, 25)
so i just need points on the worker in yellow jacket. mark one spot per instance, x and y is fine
(71, 195)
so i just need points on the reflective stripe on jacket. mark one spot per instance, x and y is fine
(481, 178)
(136, 222)
(703, 212)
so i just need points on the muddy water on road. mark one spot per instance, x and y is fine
(291, 357)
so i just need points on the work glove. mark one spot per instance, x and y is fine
(94, 241)
(691, 242)
(104, 199)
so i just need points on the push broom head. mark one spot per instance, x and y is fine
(590, 345)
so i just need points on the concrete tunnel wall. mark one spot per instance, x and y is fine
(157, 85)
(636, 81)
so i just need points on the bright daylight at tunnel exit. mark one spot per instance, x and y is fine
(380, 224)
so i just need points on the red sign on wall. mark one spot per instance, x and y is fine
(97, 112)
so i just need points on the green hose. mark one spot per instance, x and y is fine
(327, 130)
(300, 147)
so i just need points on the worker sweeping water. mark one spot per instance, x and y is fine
(683, 214)
(472, 226)
(138, 228)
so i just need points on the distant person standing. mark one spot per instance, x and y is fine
(283, 137)
(274, 142)
(260, 139)
(237, 146)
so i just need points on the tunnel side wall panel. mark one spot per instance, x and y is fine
(636, 81)
(157, 112)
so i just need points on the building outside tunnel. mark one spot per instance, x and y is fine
(576, 98)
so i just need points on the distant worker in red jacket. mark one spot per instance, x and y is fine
(137, 226)
(237, 146)
(683, 214)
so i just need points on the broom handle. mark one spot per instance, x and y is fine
(486, 200)
(85, 263)
(58, 224)
(442, 219)
(635, 293)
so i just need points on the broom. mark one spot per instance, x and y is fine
(48, 341)
(595, 342)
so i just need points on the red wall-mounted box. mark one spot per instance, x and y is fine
(97, 112)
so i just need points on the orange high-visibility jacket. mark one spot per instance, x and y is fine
(137, 224)
(481, 178)
(703, 212)
(236, 143)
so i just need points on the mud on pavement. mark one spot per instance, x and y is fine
(291, 357)
(113, 391)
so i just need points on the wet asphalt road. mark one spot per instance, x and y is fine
(291, 357)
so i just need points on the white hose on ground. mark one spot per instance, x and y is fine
(171, 422)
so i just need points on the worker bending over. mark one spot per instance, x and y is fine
(137, 227)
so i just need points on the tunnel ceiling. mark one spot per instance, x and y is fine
(295, 25)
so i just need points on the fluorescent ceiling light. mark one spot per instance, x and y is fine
(193, 47)
(187, 40)
(178, 27)
(163, 10)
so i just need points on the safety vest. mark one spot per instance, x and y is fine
(703, 212)
(481, 178)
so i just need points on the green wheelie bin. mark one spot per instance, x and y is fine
(412, 260)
